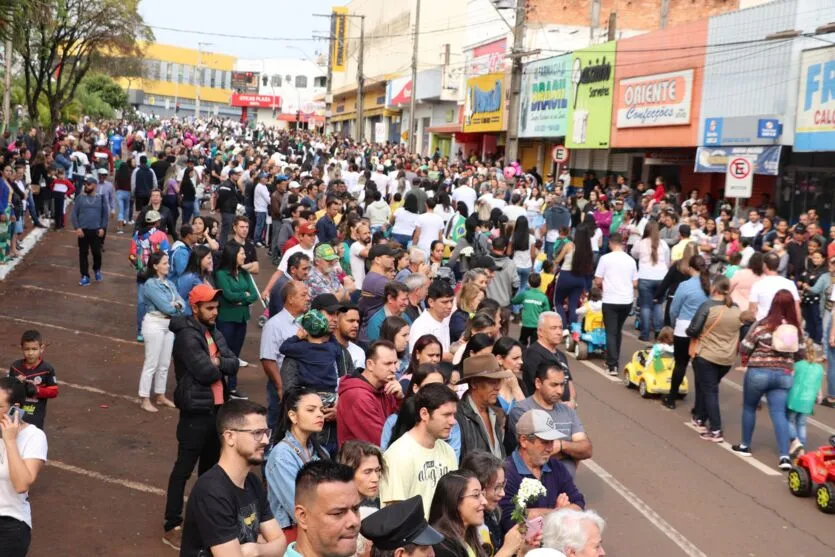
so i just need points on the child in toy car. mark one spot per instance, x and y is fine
(652, 370)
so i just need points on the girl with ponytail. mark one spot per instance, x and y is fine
(690, 294)
(714, 331)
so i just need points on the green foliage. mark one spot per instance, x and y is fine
(105, 89)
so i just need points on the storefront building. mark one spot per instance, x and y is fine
(588, 130)
(543, 118)
(436, 104)
(484, 117)
(657, 95)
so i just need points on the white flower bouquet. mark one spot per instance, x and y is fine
(530, 490)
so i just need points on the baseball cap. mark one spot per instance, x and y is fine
(263, 175)
(102, 171)
(484, 262)
(380, 250)
(800, 228)
(294, 185)
(307, 228)
(539, 423)
(203, 293)
(152, 216)
(235, 170)
(326, 302)
(650, 191)
(90, 179)
(315, 323)
(326, 252)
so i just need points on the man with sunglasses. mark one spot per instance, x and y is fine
(550, 383)
(307, 239)
(227, 511)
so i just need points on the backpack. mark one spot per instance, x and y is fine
(785, 338)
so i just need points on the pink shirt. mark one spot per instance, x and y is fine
(741, 284)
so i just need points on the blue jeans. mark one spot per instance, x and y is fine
(569, 286)
(273, 406)
(140, 308)
(797, 426)
(549, 250)
(33, 212)
(234, 334)
(402, 239)
(188, 211)
(830, 355)
(652, 314)
(123, 202)
(260, 226)
(523, 285)
(775, 385)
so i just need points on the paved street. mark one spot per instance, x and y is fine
(663, 491)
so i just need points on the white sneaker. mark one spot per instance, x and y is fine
(242, 363)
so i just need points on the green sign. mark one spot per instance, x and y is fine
(592, 90)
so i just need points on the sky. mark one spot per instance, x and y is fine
(252, 18)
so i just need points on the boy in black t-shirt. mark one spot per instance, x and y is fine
(38, 375)
(228, 506)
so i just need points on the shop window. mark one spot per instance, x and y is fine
(275, 81)
(301, 82)
(320, 81)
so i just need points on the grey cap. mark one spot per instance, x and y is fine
(539, 423)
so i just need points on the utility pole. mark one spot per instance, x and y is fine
(360, 80)
(412, 119)
(665, 12)
(329, 90)
(512, 149)
(7, 89)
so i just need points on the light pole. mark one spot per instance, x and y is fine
(199, 78)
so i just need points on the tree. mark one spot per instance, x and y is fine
(106, 89)
(60, 40)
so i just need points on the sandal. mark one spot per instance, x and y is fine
(828, 402)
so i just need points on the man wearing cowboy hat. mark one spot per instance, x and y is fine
(482, 421)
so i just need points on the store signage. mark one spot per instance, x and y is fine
(545, 93)
(256, 101)
(484, 103)
(765, 160)
(339, 50)
(245, 82)
(399, 92)
(655, 100)
(742, 130)
(590, 109)
(560, 154)
(815, 124)
(739, 177)
(488, 58)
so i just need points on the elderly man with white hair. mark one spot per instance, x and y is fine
(573, 533)
(417, 264)
(418, 285)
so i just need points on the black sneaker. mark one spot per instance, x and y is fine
(715, 436)
(698, 424)
(238, 394)
(785, 463)
(669, 402)
(613, 371)
(741, 450)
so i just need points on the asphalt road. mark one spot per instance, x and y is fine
(663, 491)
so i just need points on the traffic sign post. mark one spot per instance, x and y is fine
(559, 154)
(739, 179)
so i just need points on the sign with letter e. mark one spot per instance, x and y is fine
(739, 179)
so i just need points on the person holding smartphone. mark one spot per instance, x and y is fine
(22, 457)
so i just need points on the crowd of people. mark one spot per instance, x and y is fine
(394, 385)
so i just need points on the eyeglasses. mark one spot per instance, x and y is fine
(475, 495)
(498, 488)
(257, 434)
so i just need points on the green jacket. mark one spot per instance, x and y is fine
(238, 294)
(533, 302)
(617, 220)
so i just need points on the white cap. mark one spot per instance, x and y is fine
(294, 185)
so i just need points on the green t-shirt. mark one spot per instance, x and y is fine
(533, 302)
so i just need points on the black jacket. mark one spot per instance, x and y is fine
(165, 219)
(193, 367)
(473, 435)
(228, 197)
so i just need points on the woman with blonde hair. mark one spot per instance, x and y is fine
(469, 297)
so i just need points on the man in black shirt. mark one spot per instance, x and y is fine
(549, 336)
(227, 509)
(240, 231)
(228, 197)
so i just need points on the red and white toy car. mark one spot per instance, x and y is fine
(815, 471)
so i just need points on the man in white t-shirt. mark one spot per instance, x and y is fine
(515, 209)
(380, 180)
(435, 320)
(359, 251)
(751, 228)
(763, 291)
(428, 227)
(466, 194)
(617, 275)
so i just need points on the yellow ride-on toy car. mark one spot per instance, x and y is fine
(652, 380)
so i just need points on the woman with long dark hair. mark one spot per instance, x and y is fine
(162, 302)
(295, 443)
(427, 350)
(653, 257)
(522, 252)
(770, 373)
(716, 325)
(690, 295)
(188, 193)
(575, 276)
(395, 329)
(239, 293)
(199, 270)
(457, 512)
(123, 193)
(508, 352)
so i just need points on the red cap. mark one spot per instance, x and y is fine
(202, 293)
(307, 228)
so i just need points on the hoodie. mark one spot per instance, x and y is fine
(504, 282)
(362, 411)
(179, 256)
(557, 217)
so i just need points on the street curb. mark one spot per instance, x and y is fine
(29, 241)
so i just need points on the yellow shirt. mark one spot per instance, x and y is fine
(321, 213)
(547, 279)
(412, 469)
(677, 251)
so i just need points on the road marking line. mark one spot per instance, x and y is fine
(764, 468)
(26, 245)
(74, 331)
(98, 391)
(107, 273)
(653, 517)
(94, 298)
(136, 486)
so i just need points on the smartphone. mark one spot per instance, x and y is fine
(16, 411)
(534, 529)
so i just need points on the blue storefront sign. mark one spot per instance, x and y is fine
(713, 131)
(715, 159)
(768, 128)
(742, 130)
